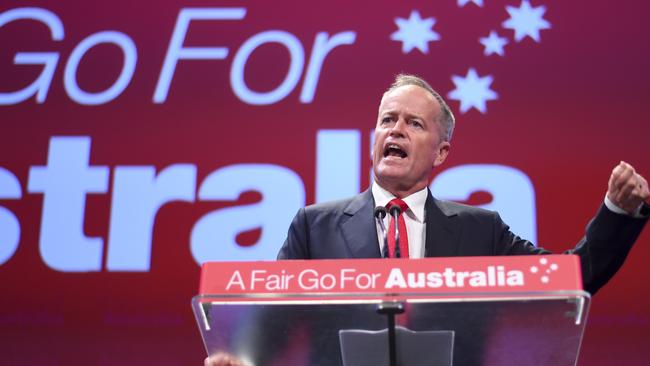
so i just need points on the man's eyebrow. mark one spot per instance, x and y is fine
(408, 115)
(414, 116)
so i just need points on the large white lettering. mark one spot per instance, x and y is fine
(41, 85)
(176, 51)
(297, 56)
(338, 164)
(138, 194)
(322, 47)
(125, 43)
(9, 224)
(65, 182)
(214, 235)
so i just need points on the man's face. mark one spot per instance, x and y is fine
(408, 140)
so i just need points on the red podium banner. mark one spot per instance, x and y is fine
(430, 276)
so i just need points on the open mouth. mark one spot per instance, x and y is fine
(394, 151)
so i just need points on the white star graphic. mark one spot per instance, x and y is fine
(526, 21)
(462, 3)
(472, 91)
(415, 32)
(493, 44)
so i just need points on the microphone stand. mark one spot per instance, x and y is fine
(390, 309)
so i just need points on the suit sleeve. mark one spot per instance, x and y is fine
(296, 245)
(608, 239)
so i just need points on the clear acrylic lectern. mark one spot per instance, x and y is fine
(470, 327)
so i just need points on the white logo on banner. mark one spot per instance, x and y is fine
(544, 270)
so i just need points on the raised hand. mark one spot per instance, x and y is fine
(627, 189)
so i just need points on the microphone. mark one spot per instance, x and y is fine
(395, 211)
(380, 213)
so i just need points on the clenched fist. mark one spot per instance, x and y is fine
(627, 189)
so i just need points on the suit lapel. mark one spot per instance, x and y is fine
(358, 227)
(443, 229)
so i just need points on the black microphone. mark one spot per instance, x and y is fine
(395, 211)
(380, 213)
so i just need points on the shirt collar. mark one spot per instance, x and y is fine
(415, 201)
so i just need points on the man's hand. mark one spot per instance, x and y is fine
(223, 359)
(627, 189)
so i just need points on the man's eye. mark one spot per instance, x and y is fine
(417, 124)
(386, 120)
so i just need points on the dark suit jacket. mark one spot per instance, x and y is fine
(346, 229)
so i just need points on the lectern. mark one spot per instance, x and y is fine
(516, 310)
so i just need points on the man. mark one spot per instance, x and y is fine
(412, 137)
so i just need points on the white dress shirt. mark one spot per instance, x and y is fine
(414, 218)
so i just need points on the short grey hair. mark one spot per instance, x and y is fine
(446, 118)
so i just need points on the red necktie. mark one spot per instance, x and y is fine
(403, 236)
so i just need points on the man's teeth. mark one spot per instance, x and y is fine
(394, 150)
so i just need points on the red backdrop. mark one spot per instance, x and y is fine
(566, 109)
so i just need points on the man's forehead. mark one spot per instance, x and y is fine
(410, 97)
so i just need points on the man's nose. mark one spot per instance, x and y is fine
(399, 127)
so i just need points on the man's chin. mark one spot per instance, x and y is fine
(391, 173)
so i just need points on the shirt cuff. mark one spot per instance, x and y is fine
(614, 208)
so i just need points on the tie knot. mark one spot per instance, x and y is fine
(398, 202)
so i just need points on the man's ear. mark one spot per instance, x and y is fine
(442, 152)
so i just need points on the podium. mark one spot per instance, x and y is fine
(512, 310)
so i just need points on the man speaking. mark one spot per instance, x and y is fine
(412, 137)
